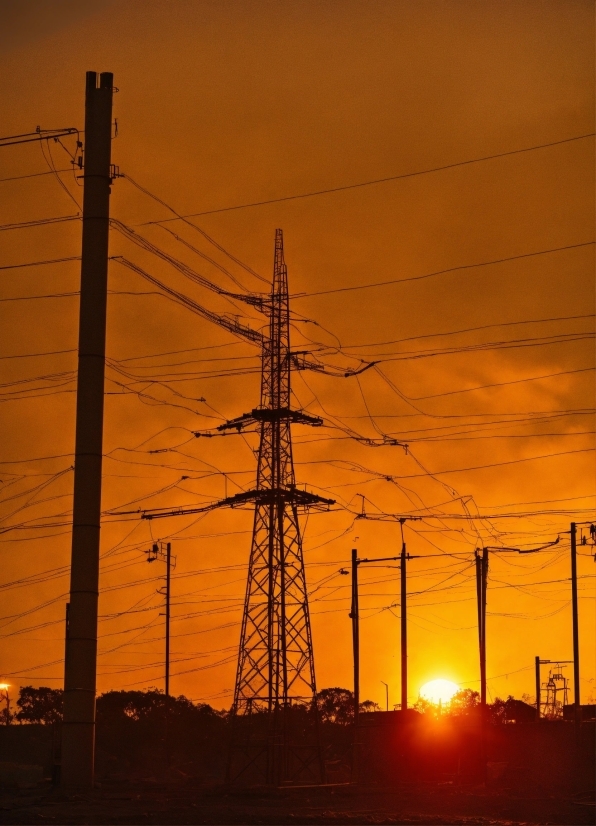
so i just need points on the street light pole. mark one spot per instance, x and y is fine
(4, 688)
(386, 695)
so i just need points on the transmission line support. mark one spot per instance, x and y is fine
(80, 667)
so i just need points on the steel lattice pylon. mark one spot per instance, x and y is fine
(275, 661)
(275, 679)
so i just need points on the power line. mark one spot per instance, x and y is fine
(376, 180)
(40, 263)
(444, 272)
(34, 175)
(39, 222)
(144, 243)
(36, 297)
(194, 226)
(503, 383)
(36, 355)
(468, 330)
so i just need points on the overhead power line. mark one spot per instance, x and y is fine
(375, 181)
(463, 330)
(194, 226)
(230, 324)
(41, 263)
(449, 270)
(39, 222)
(502, 384)
(34, 297)
(33, 175)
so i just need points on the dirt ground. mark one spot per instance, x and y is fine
(151, 803)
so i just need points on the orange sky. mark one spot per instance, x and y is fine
(222, 104)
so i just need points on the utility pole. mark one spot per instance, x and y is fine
(403, 622)
(157, 552)
(402, 559)
(538, 692)
(356, 647)
(355, 637)
(483, 647)
(78, 729)
(574, 608)
(168, 564)
(481, 583)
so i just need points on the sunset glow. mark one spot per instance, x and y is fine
(418, 306)
(439, 691)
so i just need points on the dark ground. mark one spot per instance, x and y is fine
(182, 803)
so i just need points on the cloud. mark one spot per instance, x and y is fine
(26, 21)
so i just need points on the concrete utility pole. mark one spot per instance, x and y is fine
(78, 730)
(576, 694)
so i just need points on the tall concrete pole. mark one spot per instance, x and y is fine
(78, 730)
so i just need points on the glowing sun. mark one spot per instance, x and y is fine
(438, 691)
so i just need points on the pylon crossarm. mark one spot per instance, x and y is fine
(268, 414)
(291, 495)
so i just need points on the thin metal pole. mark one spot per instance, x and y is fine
(483, 626)
(168, 564)
(484, 720)
(478, 561)
(404, 624)
(78, 730)
(386, 695)
(576, 693)
(356, 650)
(481, 606)
(355, 634)
(538, 697)
(167, 697)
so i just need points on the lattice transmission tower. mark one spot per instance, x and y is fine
(275, 670)
(276, 733)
